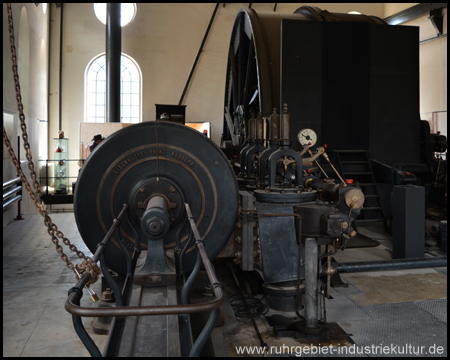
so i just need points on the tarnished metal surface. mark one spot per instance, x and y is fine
(311, 283)
(72, 308)
(155, 152)
(248, 231)
(216, 287)
(254, 56)
(437, 308)
(161, 329)
(279, 254)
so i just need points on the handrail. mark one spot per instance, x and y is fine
(122, 311)
(7, 201)
(11, 201)
(10, 182)
(11, 192)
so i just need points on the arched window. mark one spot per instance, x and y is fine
(130, 90)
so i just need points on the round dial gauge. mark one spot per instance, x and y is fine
(307, 137)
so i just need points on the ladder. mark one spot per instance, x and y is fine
(355, 164)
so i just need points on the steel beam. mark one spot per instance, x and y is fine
(413, 13)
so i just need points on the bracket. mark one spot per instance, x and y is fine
(437, 19)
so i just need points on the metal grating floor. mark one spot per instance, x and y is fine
(437, 308)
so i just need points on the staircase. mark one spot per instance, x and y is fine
(355, 164)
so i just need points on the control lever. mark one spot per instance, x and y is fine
(324, 154)
(305, 149)
(317, 163)
(305, 161)
(308, 161)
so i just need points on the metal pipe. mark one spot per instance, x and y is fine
(116, 222)
(183, 251)
(111, 282)
(10, 182)
(334, 169)
(201, 248)
(311, 284)
(398, 264)
(12, 201)
(198, 56)
(84, 337)
(11, 192)
(433, 38)
(113, 54)
(204, 335)
(190, 280)
(122, 311)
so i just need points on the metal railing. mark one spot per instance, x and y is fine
(48, 175)
(75, 293)
(12, 187)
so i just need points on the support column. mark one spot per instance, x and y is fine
(311, 283)
(113, 53)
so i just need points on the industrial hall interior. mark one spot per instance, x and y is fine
(224, 179)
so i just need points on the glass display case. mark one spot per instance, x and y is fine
(60, 165)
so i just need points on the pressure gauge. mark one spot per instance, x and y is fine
(307, 137)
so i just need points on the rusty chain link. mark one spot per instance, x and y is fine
(87, 264)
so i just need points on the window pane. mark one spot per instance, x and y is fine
(100, 100)
(92, 86)
(129, 88)
(135, 100)
(126, 112)
(91, 111)
(127, 12)
(135, 111)
(125, 87)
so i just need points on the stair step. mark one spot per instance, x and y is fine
(350, 151)
(368, 220)
(355, 162)
(359, 168)
(371, 208)
(357, 173)
(366, 184)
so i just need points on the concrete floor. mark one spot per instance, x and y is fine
(36, 281)
(35, 286)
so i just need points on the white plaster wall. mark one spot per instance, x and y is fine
(433, 71)
(34, 79)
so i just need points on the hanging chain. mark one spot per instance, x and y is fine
(87, 264)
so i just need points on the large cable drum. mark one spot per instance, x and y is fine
(163, 159)
(253, 71)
